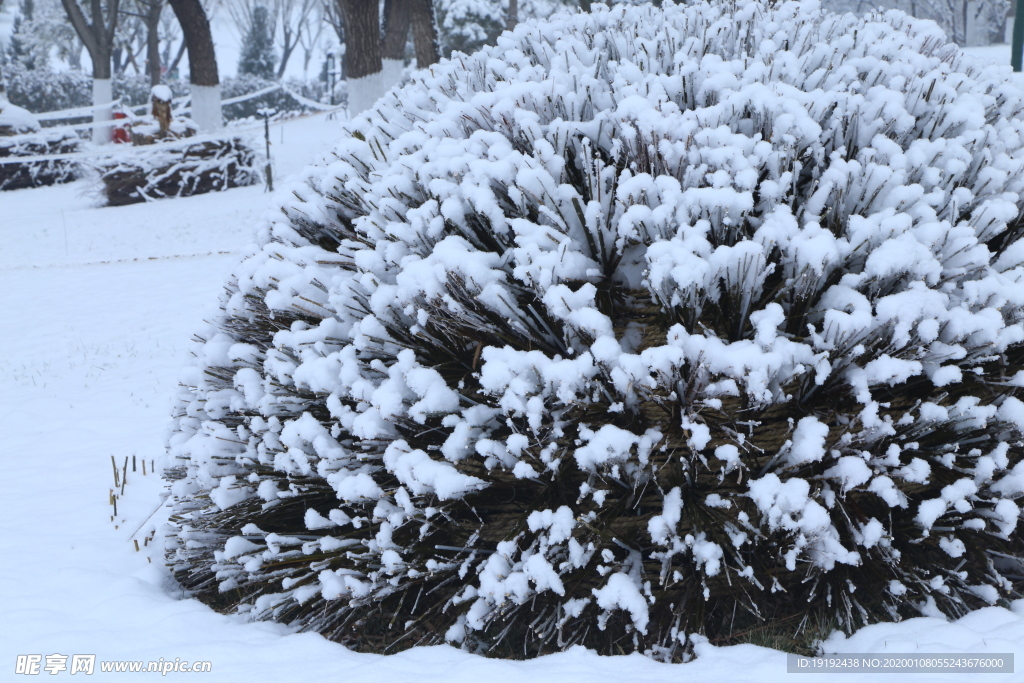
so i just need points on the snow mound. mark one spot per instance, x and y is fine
(644, 323)
(15, 120)
(162, 93)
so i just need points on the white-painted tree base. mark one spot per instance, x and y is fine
(363, 92)
(391, 73)
(102, 93)
(206, 109)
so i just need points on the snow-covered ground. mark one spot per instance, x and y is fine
(96, 314)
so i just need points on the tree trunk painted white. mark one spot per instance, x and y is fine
(391, 72)
(363, 61)
(975, 25)
(363, 92)
(102, 93)
(206, 111)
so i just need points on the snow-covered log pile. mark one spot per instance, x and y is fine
(642, 324)
(177, 170)
(21, 136)
(17, 174)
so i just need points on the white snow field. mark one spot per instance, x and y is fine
(96, 315)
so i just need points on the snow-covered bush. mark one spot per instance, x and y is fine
(180, 169)
(642, 324)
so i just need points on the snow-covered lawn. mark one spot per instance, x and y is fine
(97, 309)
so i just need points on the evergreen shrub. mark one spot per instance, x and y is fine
(644, 324)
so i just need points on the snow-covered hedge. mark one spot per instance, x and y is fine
(43, 90)
(177, 169)
(642, 324)
(278, 100)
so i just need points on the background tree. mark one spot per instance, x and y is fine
(399, 17)
(423, 22)
(172, 43)
(153, 10)
(202, 63)
(295, 18)
(97, 34)
(258, 56)
(367, 48)
(311, 39)
(127, 39)
(394, 35)
(145, 38)
(21, 49)
(287, 22)
(46, 33)
(468, 25)
(966, 22)
(332, 14)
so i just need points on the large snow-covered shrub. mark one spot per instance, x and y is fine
(642, 324)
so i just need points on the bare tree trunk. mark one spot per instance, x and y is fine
(195, 27)
(296, 22)
(177, 57)
(513, 15)
(394, 32)
(395, 29)
(286, 49)
(424, 32)
(309, 39)
(75, 58)
(363, 62)
(153, 11)
(362, 38)
(965, 5)
(98, 37)
(334, 17)
(202, 63)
